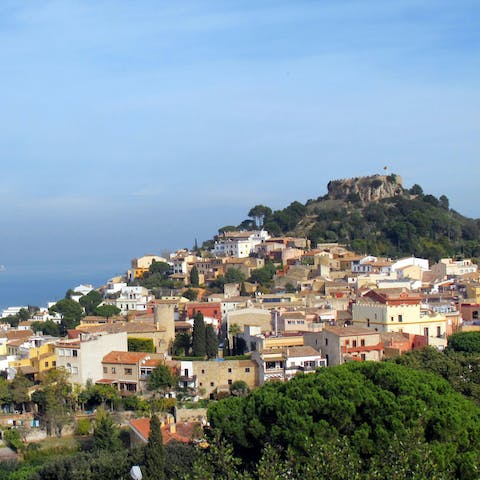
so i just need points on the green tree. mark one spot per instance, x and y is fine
(233, 330)
(264, 276)
(416, 190)
(107, 311)
(260, 214)
(154, 456)
(161, 378)
(194, 277)
(159, 267)
(468, 342)
(211, 342)
(190, 294)
(5, 392)
(90, 302)
(444, 203)
(105, 434)
(70, 311)
(182, 343)
(179, 460)
(234, 275)
(19, 391)
(48, 327)
(106, 393)
(23, 314)
(239, 388)
(199, 348)
(55, 401)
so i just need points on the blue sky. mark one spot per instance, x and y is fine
(134, 127)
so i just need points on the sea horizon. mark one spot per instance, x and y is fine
(36, 285)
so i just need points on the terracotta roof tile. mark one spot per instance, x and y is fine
(184, 430)
(127, 358)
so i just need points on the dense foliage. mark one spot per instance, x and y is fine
(161, 378)
(461, 370)
(467, 342)
(364, 411)
(141, 345)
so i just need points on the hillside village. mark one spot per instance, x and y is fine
(277, 306)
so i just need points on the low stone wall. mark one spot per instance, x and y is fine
(190, 414)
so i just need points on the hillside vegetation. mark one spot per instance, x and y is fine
(375, 215)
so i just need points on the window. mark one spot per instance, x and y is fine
(354, 343)
(439, 332)
(229, 370)
(230, 381)
(105, 370)
(54, 363)
(114, 370)
(326, 341)
(212, 384)
(362, 342)
(400, 318)
(203, 371)
(74, 353)
(364, 357)
(247, 369)
(128, 371)
(391, 319)
(368, 322)
(347, 342)
(200, 383)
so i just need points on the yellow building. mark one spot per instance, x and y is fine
(40, 359)
(391, 310)
(141, 265)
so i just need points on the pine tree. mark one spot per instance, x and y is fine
(211, 342)
(154, 456)
(194, 278)
(199, 348)
(105, 435)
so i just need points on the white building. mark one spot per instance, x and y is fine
(284, 363)
(131, 298)
(11, 311)
(239, 244)
(452, 267)
(82, 356)
(411, 262)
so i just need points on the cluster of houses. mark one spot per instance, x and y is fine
(328, 306)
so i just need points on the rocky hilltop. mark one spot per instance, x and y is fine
(366, 189)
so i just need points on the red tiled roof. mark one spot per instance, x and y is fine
(14, 334)
(184, 430)
(128, 358)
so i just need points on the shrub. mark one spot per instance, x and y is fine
(84, 426)
(13, 440)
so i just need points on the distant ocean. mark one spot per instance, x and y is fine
(37, 285)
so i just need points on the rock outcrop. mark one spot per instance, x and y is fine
(365, 189)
